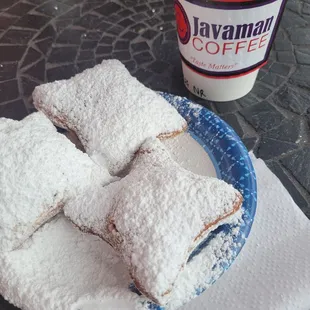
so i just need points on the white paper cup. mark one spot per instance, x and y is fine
(219, 90)
(224, 43)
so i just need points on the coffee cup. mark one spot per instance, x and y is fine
(223, 44)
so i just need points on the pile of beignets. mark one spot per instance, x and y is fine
(125, 188)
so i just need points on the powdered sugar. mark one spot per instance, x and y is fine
(183, 149)
(60, 268)
(39, 171)
(4, 122)
(207, 266)
(167, 199)
(122, 112)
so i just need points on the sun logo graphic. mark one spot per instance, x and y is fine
(183, 25)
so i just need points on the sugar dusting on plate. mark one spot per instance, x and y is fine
(62, 268)
(190, 155)
(206, 267)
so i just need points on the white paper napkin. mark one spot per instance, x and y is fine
(272, 271)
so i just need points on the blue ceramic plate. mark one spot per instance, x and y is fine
(231, 162)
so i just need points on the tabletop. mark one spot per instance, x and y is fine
(42, 41)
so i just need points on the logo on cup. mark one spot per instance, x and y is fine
(184, 27)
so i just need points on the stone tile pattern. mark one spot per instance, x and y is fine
(45, 40)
